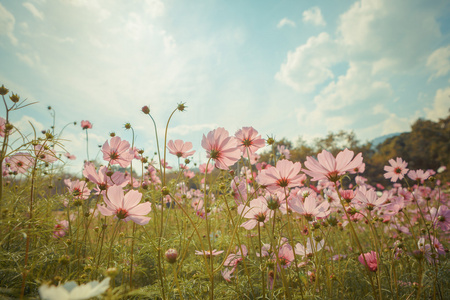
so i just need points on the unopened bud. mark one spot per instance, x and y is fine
(171, 255)
(112, 272)
(165, 191)
(146, 110)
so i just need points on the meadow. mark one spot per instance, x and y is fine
(233, 227)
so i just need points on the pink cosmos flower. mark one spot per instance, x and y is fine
(202, 168)
(284, 151)
(207, 253)
(221, 147)
(60, 229)
(189, 174)
(45, 154)
(310, 208)
(310, 248)
(104, 178)
(2, 127)
(20, 162)
(257, 212)
(285, 255)
(441, 217)
(180, 149)
(370, 261)
(328, 167)
(284, 175)
(369, 198)
(70, 156)
(397, 169)
(125, 207)
(249, 141)
(118, 152)
(78, 189)
(419, 175)
(165, 164)
(86, 124)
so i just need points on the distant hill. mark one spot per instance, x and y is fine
(379, 140)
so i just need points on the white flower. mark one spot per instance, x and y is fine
(71, 291)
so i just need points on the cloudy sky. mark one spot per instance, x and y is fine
(287, 68)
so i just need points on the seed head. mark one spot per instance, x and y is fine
(14, 98)
(3, 90)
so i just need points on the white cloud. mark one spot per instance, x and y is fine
(7, 22)
(284, 22)
(441, 105)
(356, 86)
(154, 8)
(31, 60)
(314, 16)
(439, 62)
(34, 11)
(394, 35)
(92, 5)
(310, 64)
(26, 124)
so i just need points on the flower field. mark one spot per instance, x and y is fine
(134, 227)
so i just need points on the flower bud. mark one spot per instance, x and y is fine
(171, 255)
(64, 260)
(146, 110)
(112, 272)
(165, 191)
(270, 141)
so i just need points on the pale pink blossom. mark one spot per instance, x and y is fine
(125, 207)
(284, 175)
(285, 255)
(104, 178)
(441, 217)
(165, 164)
(60, 229)
(258, 213)
(180, 148)
(233, 259)
(396, 170)
(369, 198)
(419, 175)
(20, 162)
(310, 248)
(70, 156)
(369, 260)
(78, 189)
(45, 154)
(118, 152)
(2, 127)
(189, 174)
(284, 151)
(310, 208)
(86, 124)
(249, 141)
(207, 253)
(222, 148)
(202, 168)
(328, 167)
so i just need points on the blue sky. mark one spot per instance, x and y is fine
(287, 68)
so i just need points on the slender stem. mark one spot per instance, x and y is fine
(261, 263)
(87, 144)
